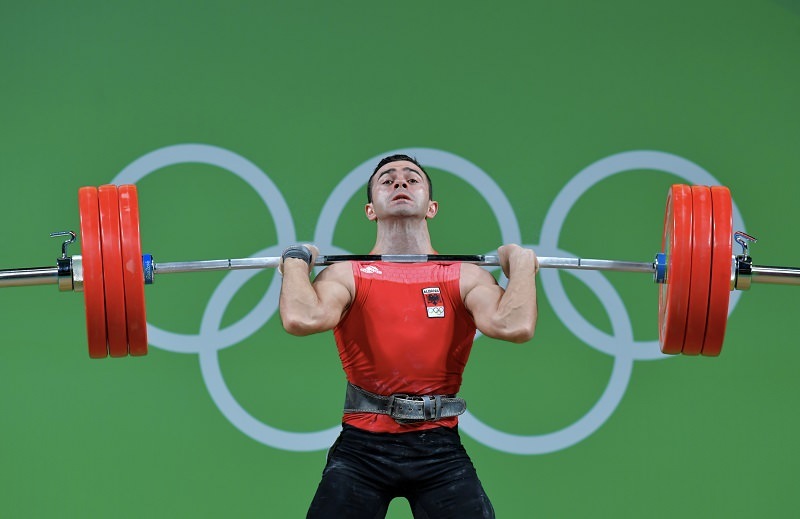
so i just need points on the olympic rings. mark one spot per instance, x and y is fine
(620, 344)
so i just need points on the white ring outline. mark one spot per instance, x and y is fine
(485, 185)
(284, 225)
(211, 338)
(566, 199)
(488, 188)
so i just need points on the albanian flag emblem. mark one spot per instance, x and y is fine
(433, 301)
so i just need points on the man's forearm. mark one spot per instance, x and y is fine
(298, 299)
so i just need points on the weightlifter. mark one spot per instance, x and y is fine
(404, 332)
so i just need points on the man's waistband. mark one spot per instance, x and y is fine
(403, 408)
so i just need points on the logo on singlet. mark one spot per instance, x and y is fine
(433, 301)
(371, 269)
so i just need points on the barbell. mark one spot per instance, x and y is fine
(696, 269)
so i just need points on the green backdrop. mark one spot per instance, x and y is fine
(528, 94)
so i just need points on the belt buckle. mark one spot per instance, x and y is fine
(391, 403)
(393, 406)
(431, 409)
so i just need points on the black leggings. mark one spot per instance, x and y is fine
(430, 468)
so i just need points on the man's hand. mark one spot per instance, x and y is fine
(310, 307)
(509, 314)
(306, 252)
(513, 257)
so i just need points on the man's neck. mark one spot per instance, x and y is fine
(403, 237)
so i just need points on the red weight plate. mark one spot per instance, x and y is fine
(721, 258)
(92, 260)
(132, 269)
(116, 320)
(702, 228)
(673, 305)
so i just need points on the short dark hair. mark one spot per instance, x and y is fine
(396, 158)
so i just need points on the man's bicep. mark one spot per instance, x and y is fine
(332, 295)
(334, 288)
(481, 297)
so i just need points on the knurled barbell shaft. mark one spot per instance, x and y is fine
(482, 260)
(49, 275)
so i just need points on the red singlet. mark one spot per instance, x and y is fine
(407, 331)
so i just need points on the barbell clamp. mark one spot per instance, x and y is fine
(743, 263)
(64, 263)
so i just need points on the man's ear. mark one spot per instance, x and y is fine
(433, 208)
(369, 210)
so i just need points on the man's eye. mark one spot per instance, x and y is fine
(413, 181)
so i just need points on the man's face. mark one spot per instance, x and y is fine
(400, 189)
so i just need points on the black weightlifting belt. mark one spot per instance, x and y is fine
(403, 408)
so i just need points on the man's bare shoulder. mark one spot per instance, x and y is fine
(339, 273)
(472, 270)
(340, 270)
(473, 275)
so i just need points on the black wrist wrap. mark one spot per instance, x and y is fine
(297, 251)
